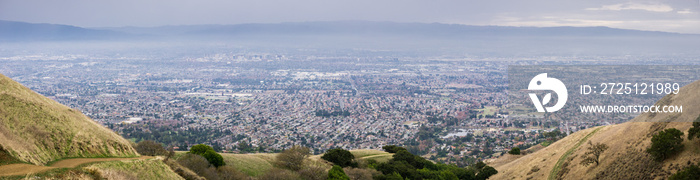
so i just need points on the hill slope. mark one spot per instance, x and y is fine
(38, 130)
(626, 157)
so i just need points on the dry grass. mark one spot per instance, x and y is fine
(127, 169)
(251, 164)
(626, 157)
(38, 130)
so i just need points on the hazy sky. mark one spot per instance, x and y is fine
(660, 15)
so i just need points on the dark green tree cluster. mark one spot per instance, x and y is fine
(405, 165)
(208, 153)
(514, 151)
(393, 148)
(337, 173)
(694, 132)
(666, 143)
(340, 157)
(691, 172)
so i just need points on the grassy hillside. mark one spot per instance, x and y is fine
(133, 169)
(38, 130)
(258, 163)
(624, 159)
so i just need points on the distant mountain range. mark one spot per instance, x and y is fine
(12, 30)
(367, 34)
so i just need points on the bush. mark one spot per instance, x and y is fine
(209, 154)
(361, 174)
(199, 165)
(200, 149)
(486, 172)
(214, 158)
(313, 173)
(150, 148)
(393, 148)
(293, 158)
(692, 172)
(694, 132)
(340, 157)
(337, 173)
(514, 151)
(665, 144)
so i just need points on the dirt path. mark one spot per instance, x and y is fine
(22, 169)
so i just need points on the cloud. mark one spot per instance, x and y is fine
(634, 6)
(685, 11)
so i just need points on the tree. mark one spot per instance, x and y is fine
(200, 149)
(694, 132)
(171, 153)
(214, 158)
(340, 157)
(692, 172)
(208, 153)
(337, 173)
(479, 165)
(666, 143)
(593, 153)
(514, 151)
(393, 148)
(293, 158)
(486, 172)
(150, 148)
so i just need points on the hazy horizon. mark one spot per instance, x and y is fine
(666, 16)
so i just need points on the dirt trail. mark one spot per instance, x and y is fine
(22, 169)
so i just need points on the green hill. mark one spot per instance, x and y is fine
(38, 130)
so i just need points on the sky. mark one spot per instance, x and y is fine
(681, 16)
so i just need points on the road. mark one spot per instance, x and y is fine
(23, 169)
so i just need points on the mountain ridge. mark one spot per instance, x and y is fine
(626, 157)
(14, 30)
(38, 130)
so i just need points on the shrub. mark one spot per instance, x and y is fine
(486, 172)
(694, 132)
(665, 144)
(514, 151)
(208, 153)
(293, 158)
(199, 165)
(393, 148)
(150, 148)
(361, 174)
(200, 149)
(313, 173)
(340, 157)
(337, 173)
(692, 172)
(214, 158)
